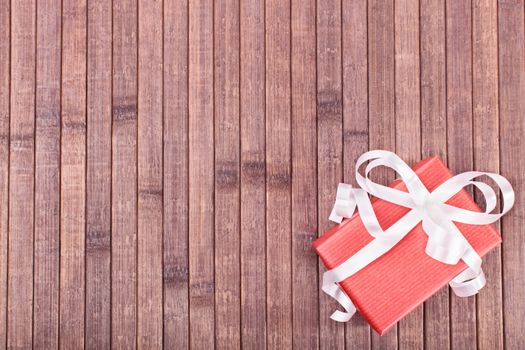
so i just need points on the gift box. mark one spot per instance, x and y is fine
(394, 284)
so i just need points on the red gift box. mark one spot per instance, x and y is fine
(393, 285)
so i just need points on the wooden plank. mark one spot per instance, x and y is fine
(150, 174)
(123, 297)
(201, 171)
(459, 142)
(21, 175)
(355, 122)
(47, 175)
(329, 144)
(73, 175)
(227, 175)
(381, 103)
(512, 123)
(278, 175)
(176, 303)
(408, 127)
(5, 49)
(434, 141)
(486, 157)
(98, 196)
(305, 287)
(253, 182)
(433, 85)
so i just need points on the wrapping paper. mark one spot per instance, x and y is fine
(397, 282)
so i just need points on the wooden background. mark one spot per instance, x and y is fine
(165, 165)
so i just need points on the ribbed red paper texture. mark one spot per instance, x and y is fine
(396, 283)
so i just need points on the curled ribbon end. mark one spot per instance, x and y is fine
(340, 316)
(465, 285)
(344, 206)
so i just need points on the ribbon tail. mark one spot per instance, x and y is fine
(344, 206)
(468, 283)
(336, 292)
(445, 241)
(471, 280)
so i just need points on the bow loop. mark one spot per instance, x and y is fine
(453, 185)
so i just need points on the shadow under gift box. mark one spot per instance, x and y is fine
(397, 282)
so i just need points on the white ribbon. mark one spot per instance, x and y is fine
(445, 241)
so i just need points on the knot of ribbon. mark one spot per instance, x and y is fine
(445, 242)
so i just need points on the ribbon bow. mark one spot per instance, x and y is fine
(445, 241)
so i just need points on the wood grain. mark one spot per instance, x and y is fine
(227, 175)
(253, 169)
(433, 92)
(486, 157)
(73, 176)
(459, 142)
(512, 108)
(304, 177)
(175, 102)
(434, 141)
(201, 171)
(47, 175)
(278, 175)
(381, 109)
(5, 49)
(329, 144)
(355, 122)
(124, 169)
(21, 175)
(98, 200)
(150, 177)
(408, 122)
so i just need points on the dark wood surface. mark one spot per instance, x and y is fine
(165, 165)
